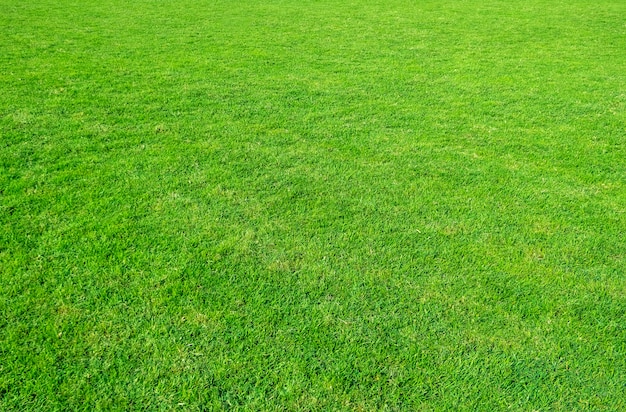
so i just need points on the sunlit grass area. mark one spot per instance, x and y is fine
(312, 205)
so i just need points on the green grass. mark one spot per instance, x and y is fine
(312, 205)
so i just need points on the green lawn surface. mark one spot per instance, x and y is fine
(318, 205)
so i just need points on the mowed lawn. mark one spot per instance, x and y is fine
(313, 205)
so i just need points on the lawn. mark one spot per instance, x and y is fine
(313, 205)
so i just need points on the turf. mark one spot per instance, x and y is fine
(312, 205)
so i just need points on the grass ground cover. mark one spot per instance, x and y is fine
(317, 205)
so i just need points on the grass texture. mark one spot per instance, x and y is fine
(313, 205)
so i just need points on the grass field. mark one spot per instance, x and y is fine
(313, 205)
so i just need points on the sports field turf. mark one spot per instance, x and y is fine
(313, 205)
